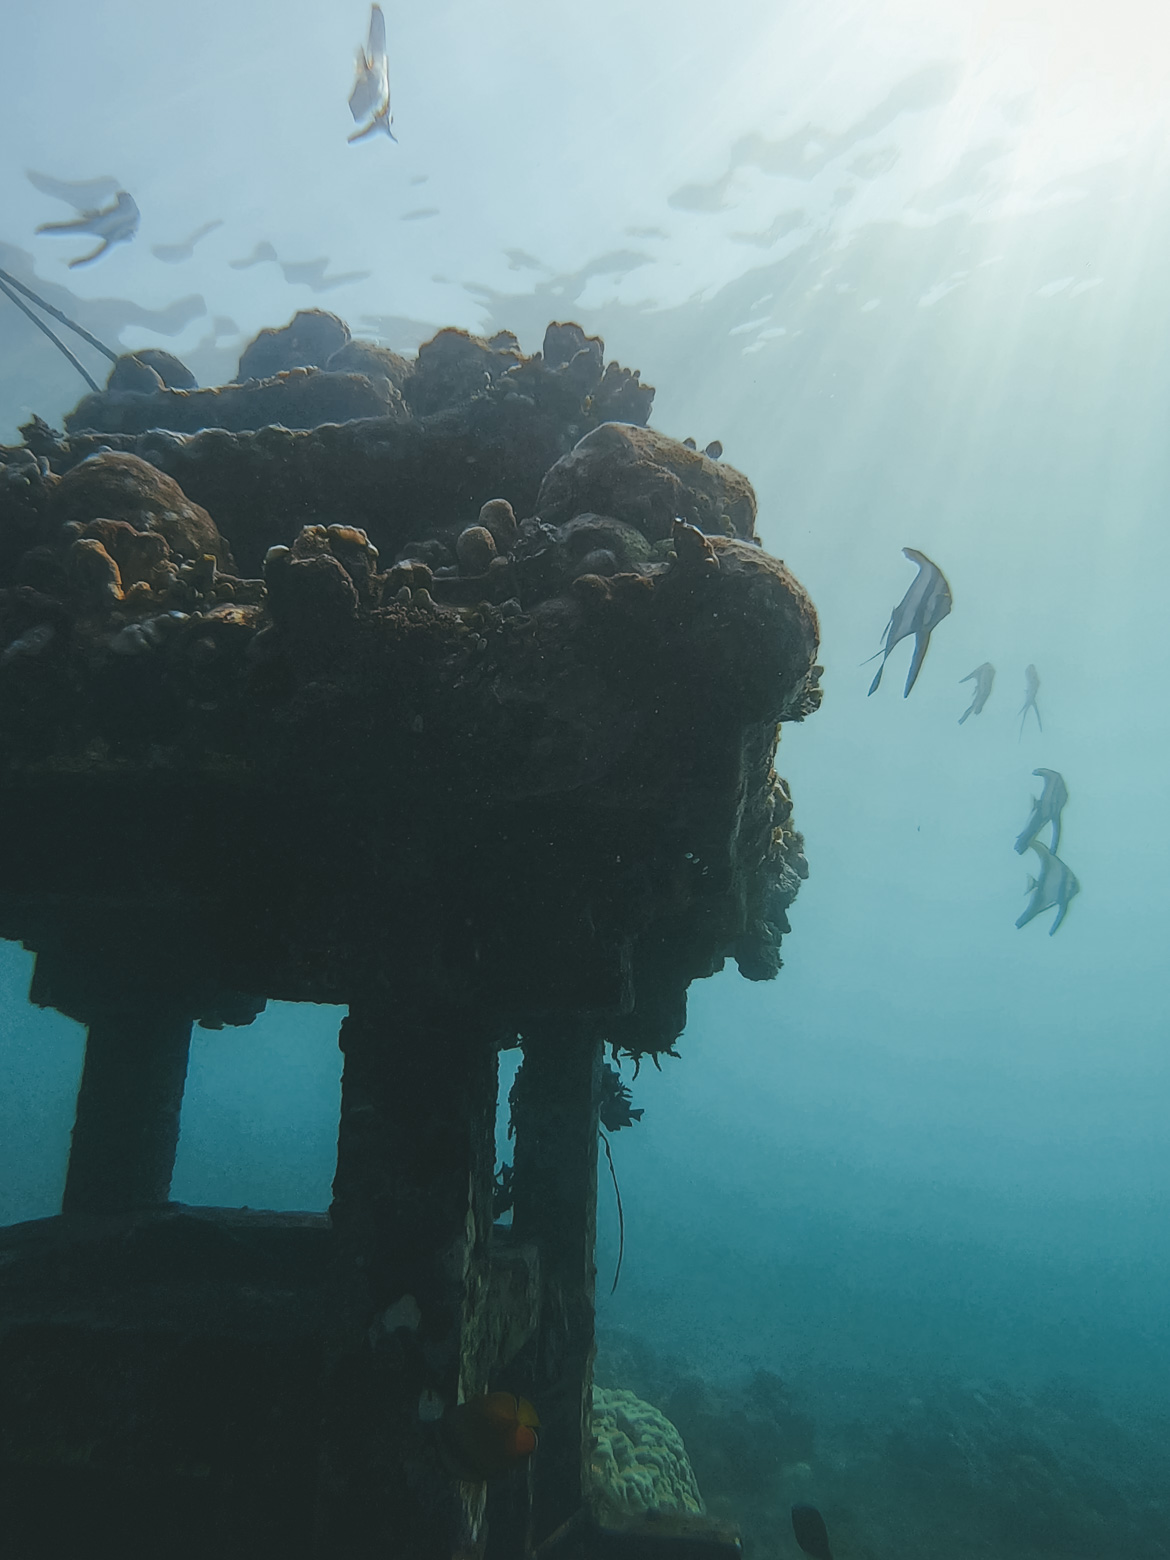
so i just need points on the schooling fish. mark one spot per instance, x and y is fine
(919, 612)
(1031, 688)
(1056, 885)
(984, 676)
(114, 224)
(490, 1434)
(371, 87)
(1046, 809)
(810, 1531)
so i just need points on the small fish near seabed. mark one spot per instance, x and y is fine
(114, 224)
(1056, 886)
(371, 88)
(810, 1532)
(919, 612)
(983, 677)
(1046, 809)
(1031, 689)
(489, 1435)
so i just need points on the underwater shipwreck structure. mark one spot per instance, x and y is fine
(443, 689)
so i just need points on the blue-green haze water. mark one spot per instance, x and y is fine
(908, 262)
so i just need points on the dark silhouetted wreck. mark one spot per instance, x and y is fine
(445, 690)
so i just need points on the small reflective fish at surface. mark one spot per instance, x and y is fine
(1056, 886)
(983, 677)
(1046, 809)
(490, 1434)
(808, 1527)
(1031, 688)
(919, 612)
(371, 87)
(115, 224)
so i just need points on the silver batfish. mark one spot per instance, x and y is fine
(919, 612)
(370, 97)
(1057, 885)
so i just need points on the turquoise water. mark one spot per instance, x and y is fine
(907, 261)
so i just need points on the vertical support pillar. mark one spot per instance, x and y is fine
(555, 1110)
(126, 1130)
(412, 1224)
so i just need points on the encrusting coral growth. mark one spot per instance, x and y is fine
(496, 621)
(445, 690)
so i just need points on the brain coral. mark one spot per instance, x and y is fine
(639, 1462)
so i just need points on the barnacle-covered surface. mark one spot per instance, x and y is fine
(485, 686)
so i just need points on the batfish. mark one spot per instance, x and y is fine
(371, 87)
(114, 224)
(919, 612)
(1031, 688)
(1056, 885)
(1046, 809)
(984, 676)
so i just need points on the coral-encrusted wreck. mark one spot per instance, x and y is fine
(444, 689)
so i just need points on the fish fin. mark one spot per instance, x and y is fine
(921, 645)
(87, 259)
(80, 222)
(360, 135)
(878, 676)
(966, 712)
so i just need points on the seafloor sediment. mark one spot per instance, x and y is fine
(449, 668)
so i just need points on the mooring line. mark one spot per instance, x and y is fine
(53, 337)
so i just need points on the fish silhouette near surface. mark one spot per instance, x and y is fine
(371, 88)
(1046, 809)
(81, 194)
(490, 1434)
(305, 273)
(115, 224)
(1031, 688)
(808, 1527)
(919, 612)
(983, 677)
(1056, 886)
(174, 254)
